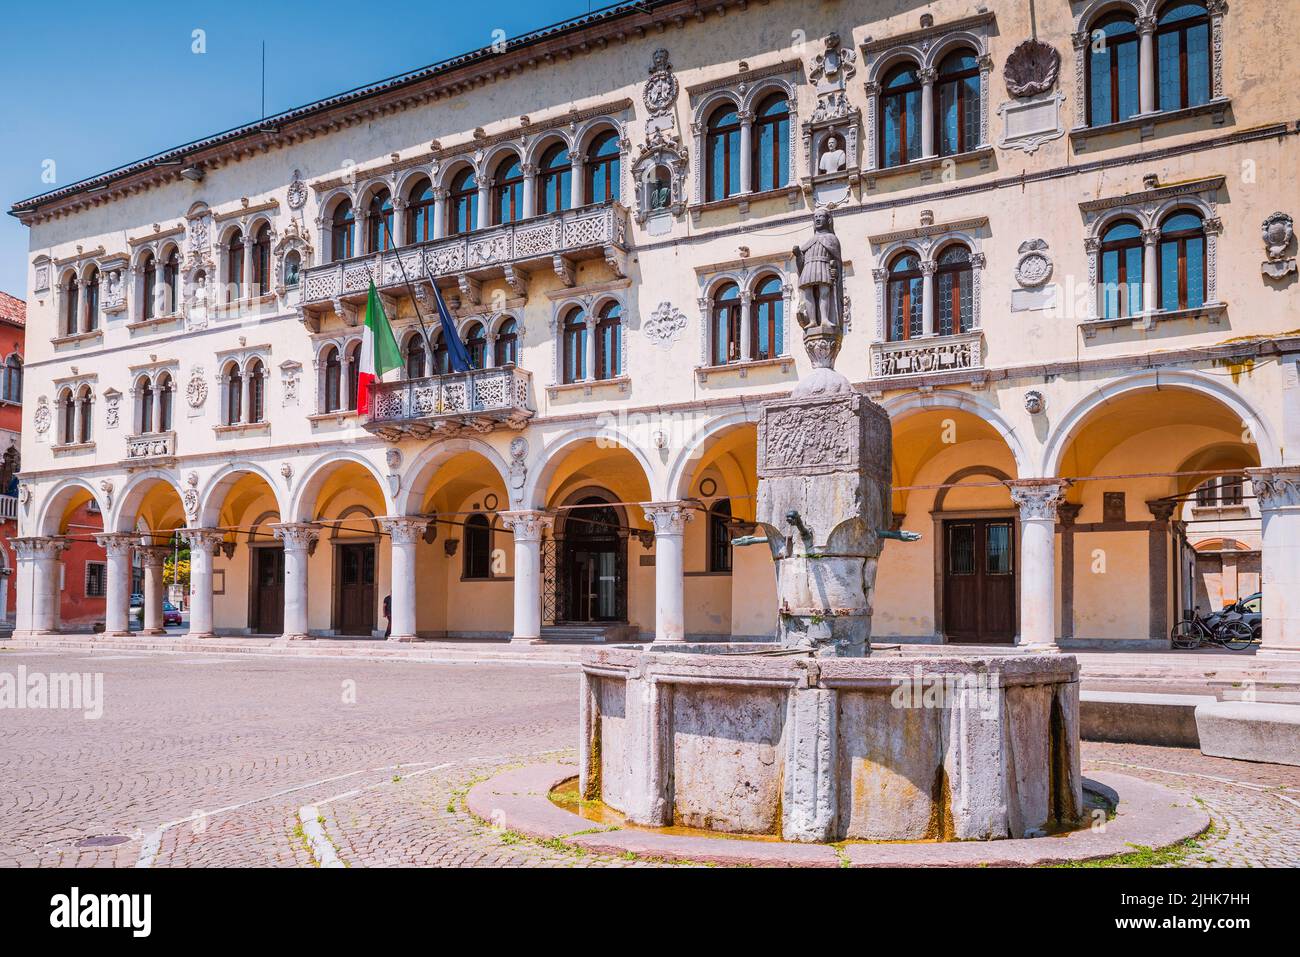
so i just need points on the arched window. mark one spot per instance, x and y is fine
(341, 231)
(262, 260)
(771, 138)
(144, 423)
(171, 276)
(475, 345)
(478, 547)
(149, 287)
(958, 95)
(575, 345)
(722, 153)
(84, 401)
(1113, 70)
(441, 357)
(609, 342)
(765, 319)
(354, 374)
(379, 222)
(234, 395)
(92, 301)
(507, 344)
(555, 180)
(1222, 490)
(905, 297)
(900, 116)
(235, 265)
(725, 327)
(1183, 55)
(333, 380)
(1121, 270)
(462, 203)
(508, 192)
(603, 165)
(71, 317)
(165, 391)
(414, 357)
(1182, 261)
(69, 417)
(256, 392)
(14, 379)
(419, 212)
(954, 291)
(720, 536)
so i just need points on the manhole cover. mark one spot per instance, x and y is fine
(103, 840)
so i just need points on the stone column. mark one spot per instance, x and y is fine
(404, 535)
(928, 77)
(399, 223)
(299, 540)
(1146, 64)
(152, 558)
(117, 586)
(489, 350)
(484, 204)
(1158, 568)
(669, 520)
(591, 349)
(1037, 500)
(1277, 490)
(746, 150)
(530, 190)
(1150, 270)
(5, 625)
(440, 195)
(38, 585)
(746, 332)
(528, 526)
(578, 182)
(928, 268)
(203, 541)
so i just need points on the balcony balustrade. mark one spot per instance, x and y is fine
(445, 405)
(150, 448)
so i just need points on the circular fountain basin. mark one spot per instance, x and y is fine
(753, 740)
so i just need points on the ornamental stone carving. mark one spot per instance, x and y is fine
(1034, 266)
(1277, 487)
(403, 530)
(660, 91)
(665, 325)
(1277, 231)
(41, 419)
(196, 392)
(112, 411)
(1037, 498)
(106, 487)
(795, 442)
(659, 175)
(1031, 68)
(820, 305)
(834, 66)
(297, 194)
(114, 296)
(297, 535)
(286, 472)
(518, 468)
(669, 518)
(1035, 402)
(527, 524)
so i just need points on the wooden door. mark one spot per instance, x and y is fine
(268, 590)
(979, 583)
(355, 609)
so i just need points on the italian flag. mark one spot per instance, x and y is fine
(379, 352)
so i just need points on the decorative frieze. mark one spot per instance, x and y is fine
(926, 356)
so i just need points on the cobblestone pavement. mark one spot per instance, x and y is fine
(205, 760)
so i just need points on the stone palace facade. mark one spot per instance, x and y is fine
(1069, 275)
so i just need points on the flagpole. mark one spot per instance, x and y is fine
(424, 330)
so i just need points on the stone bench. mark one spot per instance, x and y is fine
(1250, 731)
(1136, 717)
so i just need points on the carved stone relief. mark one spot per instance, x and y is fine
(665, 325)
(1278, 232)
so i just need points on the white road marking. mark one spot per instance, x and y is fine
(321, 847)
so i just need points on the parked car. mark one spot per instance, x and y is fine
(171, 614)
(137, 599)
(1251, 610)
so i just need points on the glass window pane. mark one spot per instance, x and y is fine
(1127, 60)
(1167, 70)
(997, 549)
(1169, 275)
(1198, 65)
(1099, 93)
(961, 549)
(1195, 273)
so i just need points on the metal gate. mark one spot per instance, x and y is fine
(551, 592)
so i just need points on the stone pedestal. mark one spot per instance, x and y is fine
(823, 495)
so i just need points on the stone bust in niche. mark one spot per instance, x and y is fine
(659, 190)
(833, 157)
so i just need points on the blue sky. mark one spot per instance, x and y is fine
(92, 89)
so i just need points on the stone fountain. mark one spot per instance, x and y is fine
(811, 739)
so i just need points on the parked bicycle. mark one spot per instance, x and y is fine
(1226, 630)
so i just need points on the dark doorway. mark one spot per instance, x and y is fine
(595, 563)
(355, 594)
(268, 590)
(979, 582)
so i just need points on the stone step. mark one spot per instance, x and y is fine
(1136, 717)
(1250, 731)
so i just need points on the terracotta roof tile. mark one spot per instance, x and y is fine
(13, 309)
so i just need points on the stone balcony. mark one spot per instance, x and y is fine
(149, 449)
(554, 241)
(932, 355)
(480, 400)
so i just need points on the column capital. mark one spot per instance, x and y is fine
(153, 556)
(1067, 513)
(1162, 510)
(39, 546)
(527, 524)
(297, 535)
(117, 544)
(927, 74)
(669, 518)
(1038, 498)
(404, 529)
(1276, 487)
(1146, 25)
(208, 538)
